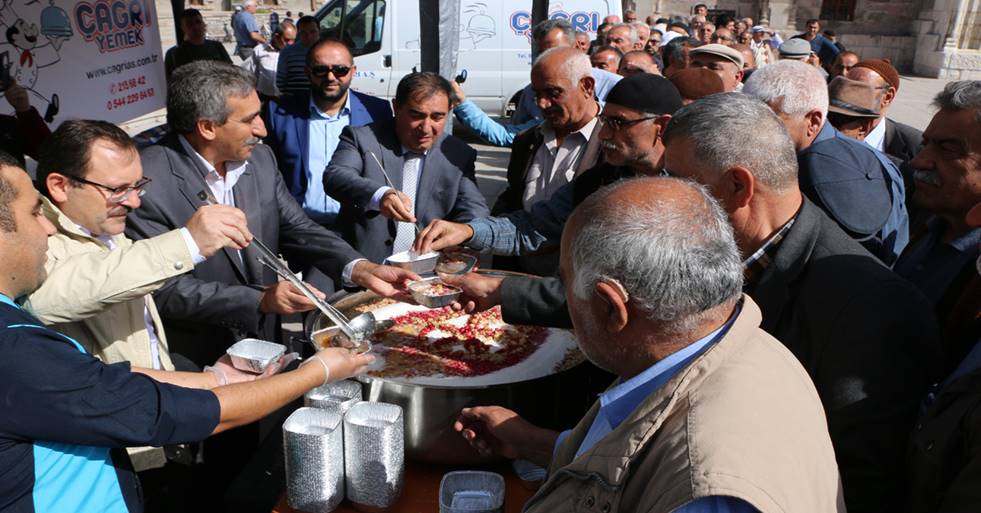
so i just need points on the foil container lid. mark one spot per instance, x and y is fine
(314, 454)
(374, 454)
(254, 355)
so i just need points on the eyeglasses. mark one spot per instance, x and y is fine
(619, 123)
(339, 70)
(118, 194)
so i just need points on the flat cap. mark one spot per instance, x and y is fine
(760, 28)
(795, 48)
(728, 53)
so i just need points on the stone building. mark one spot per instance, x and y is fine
(218, 15)
(934, 38)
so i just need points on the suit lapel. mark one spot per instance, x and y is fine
(359, 114)
(247, 199)
(191, 185)
(795, 249)
(302, 129)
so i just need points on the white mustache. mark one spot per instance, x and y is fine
(608, 146)
(927, 177)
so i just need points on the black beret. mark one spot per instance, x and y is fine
(647, 93)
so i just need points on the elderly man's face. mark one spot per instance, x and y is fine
(727, 70)
(554, 39)
(284, 39)
(619, 38)
(723, 36)
(885, 92)
(948, 167)
(582, 41)
(25, 248)
(89, 205)
(243, 130)
(420, 122)
(705, 32)
(628, 136)
(643, 34)
(562, 102)
(608, 61)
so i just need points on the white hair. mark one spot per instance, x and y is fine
(792, 87)
(575, 67)
(247, 3)
(675, 258)
(632, 31)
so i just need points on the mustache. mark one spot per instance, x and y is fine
(252, 141)
(927, 177)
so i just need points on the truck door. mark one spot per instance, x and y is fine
(364, 26)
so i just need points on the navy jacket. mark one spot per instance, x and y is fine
(859, 188)
(288, 119)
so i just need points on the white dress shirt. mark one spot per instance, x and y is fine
(877, 137)
(554, 165)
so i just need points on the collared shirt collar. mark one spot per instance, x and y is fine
(585, 132)
(7, 300)
(233, 168)
(345, 110)
(827, 132)
(966, 242)
(620, 401)
(756, 264)
(877, 137)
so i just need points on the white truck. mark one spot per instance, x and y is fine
(494, 44)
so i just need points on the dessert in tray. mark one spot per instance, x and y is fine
(443, 347)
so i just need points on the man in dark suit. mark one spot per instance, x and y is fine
(866, 336)
(390, 177)
(304, 129)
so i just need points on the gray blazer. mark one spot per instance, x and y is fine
(217, 303)
(447, 187)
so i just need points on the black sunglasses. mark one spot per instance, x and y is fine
(339, 70)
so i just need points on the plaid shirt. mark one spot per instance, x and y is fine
(756, 263)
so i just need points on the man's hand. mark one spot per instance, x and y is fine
(343, 363)
(226, 374)
(214, 227)
(480, 292)
(284, 299)
(396, 205)
(384, 280)
(17, 97)
(458, 92)
(493, 430)
(441, 234)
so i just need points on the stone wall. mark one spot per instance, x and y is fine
(900, 50)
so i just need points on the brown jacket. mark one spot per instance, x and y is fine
(742, 420)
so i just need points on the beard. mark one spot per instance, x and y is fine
(321, 95)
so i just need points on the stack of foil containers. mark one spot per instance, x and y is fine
(340, 443)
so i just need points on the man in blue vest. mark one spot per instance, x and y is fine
(67, 416)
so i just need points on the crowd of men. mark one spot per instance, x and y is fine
(776, 285)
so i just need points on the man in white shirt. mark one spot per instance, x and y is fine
(265, 60)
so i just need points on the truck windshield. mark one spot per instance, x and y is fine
(358, 23)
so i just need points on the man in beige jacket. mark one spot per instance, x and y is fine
(710, 413)
(99, 282)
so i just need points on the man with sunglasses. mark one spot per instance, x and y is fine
(99, 284)
(304, 130)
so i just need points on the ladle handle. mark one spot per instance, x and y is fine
(272, 260)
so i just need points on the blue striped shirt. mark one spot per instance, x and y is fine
(291, 77)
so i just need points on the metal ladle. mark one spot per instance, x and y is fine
(355, 333)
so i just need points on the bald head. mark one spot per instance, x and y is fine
(885, 93)
(636, 62)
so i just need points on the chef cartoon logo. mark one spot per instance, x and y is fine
(24, 52)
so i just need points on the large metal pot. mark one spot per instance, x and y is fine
(429, 411)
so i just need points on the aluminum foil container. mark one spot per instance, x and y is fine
(419, 264)
(417, 288)
(471, 491)
(254, 355)
(314, 449)
(374, 454)
(337, 397)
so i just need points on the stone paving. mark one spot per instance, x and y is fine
(912, 104)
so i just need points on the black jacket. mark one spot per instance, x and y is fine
(945, 450)
(867, 337)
